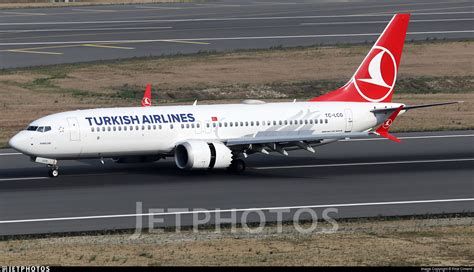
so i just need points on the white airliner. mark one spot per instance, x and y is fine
(221, 136)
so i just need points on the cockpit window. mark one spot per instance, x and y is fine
(39, 129)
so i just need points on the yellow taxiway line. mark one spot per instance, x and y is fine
(33, 52)
(181, 41)
(106, 46)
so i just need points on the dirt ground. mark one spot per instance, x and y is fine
(429, 72)
(420, 242)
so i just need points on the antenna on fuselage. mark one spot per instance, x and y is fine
(195, 102)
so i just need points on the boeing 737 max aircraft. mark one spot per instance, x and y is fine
(221, 136)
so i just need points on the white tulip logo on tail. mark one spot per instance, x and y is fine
(375, 81)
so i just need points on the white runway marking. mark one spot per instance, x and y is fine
(236, 38)
(10, 154)
(29, 178)
(360, 164)
(384, 22)
(229, 19)
(237, 210)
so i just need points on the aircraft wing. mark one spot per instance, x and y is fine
(282, 139)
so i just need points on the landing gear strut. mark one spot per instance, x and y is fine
(53, 170)
(237, 166)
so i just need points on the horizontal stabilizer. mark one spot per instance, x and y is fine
(416, 106)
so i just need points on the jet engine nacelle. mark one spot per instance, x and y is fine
(196, 154)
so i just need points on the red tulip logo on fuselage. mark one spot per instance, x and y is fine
(387, 123)
(375, 81)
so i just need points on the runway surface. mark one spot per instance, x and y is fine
(426, 173)
(41, 36)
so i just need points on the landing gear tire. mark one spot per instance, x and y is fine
(237, 166)
(53, 171)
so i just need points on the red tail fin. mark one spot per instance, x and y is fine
(375, 78)
(146, 100)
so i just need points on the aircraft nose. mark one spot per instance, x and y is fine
(19, 142)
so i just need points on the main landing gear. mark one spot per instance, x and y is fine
(237, 166)
(53, 170)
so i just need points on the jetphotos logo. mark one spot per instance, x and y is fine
(376, 77)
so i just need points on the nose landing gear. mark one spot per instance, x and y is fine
(53, 170)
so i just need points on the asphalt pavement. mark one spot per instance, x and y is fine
(30, 37)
